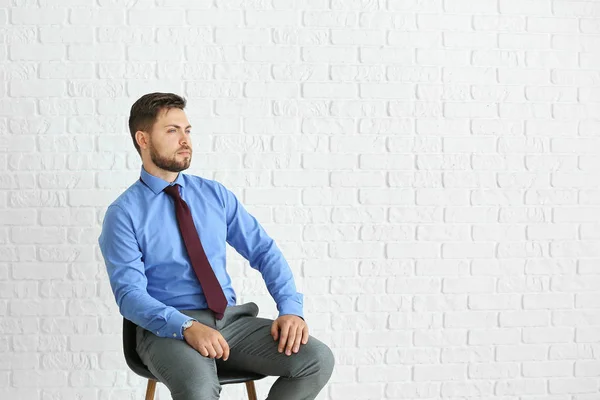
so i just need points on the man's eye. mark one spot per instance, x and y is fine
(189, 132)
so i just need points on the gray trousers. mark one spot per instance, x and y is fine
(191, 376)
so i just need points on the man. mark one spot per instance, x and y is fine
(163, 241)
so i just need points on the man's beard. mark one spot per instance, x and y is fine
(169, 164)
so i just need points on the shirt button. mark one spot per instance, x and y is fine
(174, 335)
(157, 332)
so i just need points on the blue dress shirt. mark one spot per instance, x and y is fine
(147, 263)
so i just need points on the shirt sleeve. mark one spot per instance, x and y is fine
(248, 238)
(126, 272)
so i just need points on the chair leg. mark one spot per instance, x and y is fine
(150, 390)
(251, 390)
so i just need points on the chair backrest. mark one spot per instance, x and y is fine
(132, 358)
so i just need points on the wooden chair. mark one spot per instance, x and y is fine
(135, 363)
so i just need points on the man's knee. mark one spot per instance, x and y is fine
(318, 359)
(326, 361)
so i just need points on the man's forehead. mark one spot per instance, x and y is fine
(172, 117)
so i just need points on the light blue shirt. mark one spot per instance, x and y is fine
(148, 266)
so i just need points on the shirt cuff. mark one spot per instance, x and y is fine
(290, 307)
(175, 325)
(188, 320)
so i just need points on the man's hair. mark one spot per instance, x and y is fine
(145, 110)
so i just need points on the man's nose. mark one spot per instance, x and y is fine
(183, 138)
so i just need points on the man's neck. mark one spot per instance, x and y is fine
(160, 173)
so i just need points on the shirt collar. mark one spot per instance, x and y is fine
(157, 184)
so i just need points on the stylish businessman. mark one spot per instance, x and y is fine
(164, 240)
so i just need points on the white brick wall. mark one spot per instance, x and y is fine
(430, 169)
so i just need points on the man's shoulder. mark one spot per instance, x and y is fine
(209, 189)
(130, 196)
(203, 184)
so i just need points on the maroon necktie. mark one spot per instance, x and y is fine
(210, 285)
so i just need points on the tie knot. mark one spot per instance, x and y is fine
(173, 191)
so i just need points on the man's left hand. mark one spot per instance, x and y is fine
(294, 332)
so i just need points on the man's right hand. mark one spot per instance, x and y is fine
(207, 341)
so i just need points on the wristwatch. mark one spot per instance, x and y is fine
(186, 325)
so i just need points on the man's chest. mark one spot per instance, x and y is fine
(159, 237)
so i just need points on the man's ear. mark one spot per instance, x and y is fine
(141, 138)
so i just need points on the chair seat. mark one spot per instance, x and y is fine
(226, 378)
(135, 363)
